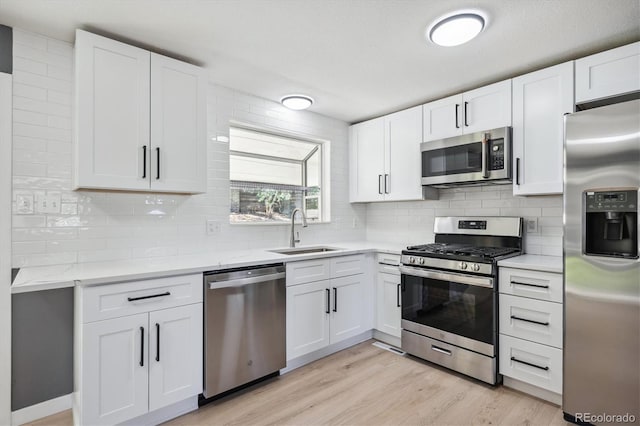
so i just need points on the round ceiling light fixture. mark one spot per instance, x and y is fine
(457, 28)
(297, 102)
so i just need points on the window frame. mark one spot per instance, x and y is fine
(324, 204)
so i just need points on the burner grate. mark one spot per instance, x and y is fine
(462, 250)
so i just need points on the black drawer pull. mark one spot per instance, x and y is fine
(528, 320)
(144, 161)
(157, 163)
(328, 311)
(335, 299)
(157, 342)
(530, 285)
(141, 346)
(133, 299)
(398, 296)
(529, 364)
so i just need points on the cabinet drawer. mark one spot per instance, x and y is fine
(532, 363)
(534, 284)
(308, 271)
(117, 300)
(347, 265)
(533, 320)
(388, 259)
(388, 269)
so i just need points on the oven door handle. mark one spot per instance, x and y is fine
(448, 276)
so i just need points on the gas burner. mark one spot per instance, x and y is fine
(463, 250)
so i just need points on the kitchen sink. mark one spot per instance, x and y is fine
(305, 250)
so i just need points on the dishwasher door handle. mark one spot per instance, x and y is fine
(245, 281)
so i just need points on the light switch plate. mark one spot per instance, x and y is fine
(48, 204)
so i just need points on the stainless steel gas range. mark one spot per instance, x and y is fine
(450, 293)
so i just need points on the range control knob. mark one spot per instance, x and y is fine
(463, 265)
(412, 259)
(422, 260)
(475, 267)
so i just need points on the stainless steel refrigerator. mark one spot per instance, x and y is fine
(602, 271)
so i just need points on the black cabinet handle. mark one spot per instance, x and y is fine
(328, 311)
(386, 183)
(517, 171)
(398, 296)
(157, 342)
(144, 161)
(133, 299)
(380, 184)
(530, 285)
(529, 364)
(465, 114)
(457, 108)
(335, 299)
(157, 163)
(141, 346)
(528, 320)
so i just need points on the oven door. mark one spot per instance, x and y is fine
(455, 308)
(476, 157)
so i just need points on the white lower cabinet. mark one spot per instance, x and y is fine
(130, 365)
(531, 329)
(327, 311)
(388, 299)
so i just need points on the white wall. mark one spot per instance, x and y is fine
(96, 225)
(5, 249)
(412, 222)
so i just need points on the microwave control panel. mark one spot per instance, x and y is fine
(496, 154)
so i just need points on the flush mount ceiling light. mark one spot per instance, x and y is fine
(297, 102)
(456, 28)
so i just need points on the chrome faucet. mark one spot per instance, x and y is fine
(293, 240)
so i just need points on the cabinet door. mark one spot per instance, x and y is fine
(175, 355)
(402, 155)
(112, 114)
(308, 313)
(487, 108)
(388, 302)
(442, 118)
(540, 100)
(611, 73)
(178, 126)
(368, 160)
(114, 370)
(347, 307)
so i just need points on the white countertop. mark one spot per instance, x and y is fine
(60, 276)
(534, 262)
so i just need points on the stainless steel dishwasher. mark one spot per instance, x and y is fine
(244, 326)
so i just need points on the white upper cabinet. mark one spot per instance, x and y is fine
(540, 101)
(178, 125)
(112, 114)
(367, 147)
(611, 73)
(384, 158)
(140, 120)
(402, 155)
(477, 110)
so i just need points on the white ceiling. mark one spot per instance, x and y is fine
(358, 58)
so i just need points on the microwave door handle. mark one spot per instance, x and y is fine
(485, 156)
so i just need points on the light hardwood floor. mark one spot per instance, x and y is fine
(366, 385)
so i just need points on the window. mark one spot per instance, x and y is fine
(271, 175)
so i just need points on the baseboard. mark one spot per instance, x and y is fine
(547, 395)
(292, 364)
(165, 414)
(40, 410)
(387, 338)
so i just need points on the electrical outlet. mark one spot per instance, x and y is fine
(213, 227)
(532, 225)
(24, 204)
(48, 204)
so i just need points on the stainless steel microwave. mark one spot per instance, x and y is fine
(483, 157)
